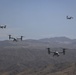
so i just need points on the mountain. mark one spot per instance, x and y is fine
(30, 57)
(64, 40)
(35, 61)
(46, 42)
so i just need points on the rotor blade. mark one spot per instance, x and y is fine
(48, 50)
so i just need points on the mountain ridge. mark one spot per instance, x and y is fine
(45, 42)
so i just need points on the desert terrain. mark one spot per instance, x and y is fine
(30, 57)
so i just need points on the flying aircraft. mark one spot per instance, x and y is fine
(69, 17)
(15, 39)
(56, 53)
(2, 26)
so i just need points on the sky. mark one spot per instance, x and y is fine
(37, 19)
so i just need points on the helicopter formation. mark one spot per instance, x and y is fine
(4, 26)
(14, 39)
(55, 53)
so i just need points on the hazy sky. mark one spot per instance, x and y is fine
(37, 19)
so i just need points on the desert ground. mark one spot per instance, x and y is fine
(19, 58)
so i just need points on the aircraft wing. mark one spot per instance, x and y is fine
(50, 52)
(60, 52)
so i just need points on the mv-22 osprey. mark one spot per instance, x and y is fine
(56, 53)
(16, 39)
(69, 17)
(2, 26)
